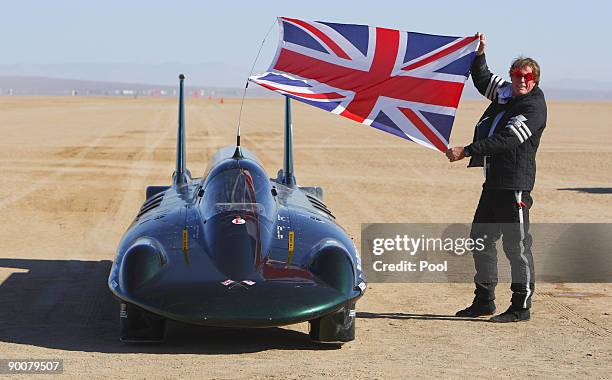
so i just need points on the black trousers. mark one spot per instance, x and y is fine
(505, 214)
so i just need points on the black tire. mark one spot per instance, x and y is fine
(139, 326)
(335, 328)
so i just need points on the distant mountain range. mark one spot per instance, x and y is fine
(213, 74)
(552, 92)
(207, 79)
(41, 86)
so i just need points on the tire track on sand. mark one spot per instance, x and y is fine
(105, 232)
(70, 165)
(569, 314)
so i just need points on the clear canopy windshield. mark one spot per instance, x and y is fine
(238, 190)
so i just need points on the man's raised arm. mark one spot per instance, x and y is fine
(485, 82)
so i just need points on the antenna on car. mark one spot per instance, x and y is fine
(237, 152)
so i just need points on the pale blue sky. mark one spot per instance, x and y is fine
(567, 38)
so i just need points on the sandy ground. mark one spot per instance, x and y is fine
(74, 171)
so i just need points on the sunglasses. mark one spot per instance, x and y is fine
(516, 73)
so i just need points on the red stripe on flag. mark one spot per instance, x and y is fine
(329, 95)
(421, 126)
(430, 91)
(441, 53)
(328, 41)
(349, 115)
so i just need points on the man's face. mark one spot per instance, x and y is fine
(523, 80)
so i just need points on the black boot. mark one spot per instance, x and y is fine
(512, 315)
(477, 310)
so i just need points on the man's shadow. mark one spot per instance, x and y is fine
(66, 304)
(588, 190)
(427, 317)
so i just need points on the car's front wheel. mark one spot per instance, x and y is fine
(140, 326)
(335, 328)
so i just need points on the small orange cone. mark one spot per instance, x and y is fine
(221, 101)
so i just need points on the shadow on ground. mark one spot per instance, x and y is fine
(66, 304)
(589, 190)
(367, 315)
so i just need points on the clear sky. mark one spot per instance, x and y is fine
(567, 38)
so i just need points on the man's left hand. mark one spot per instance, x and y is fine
(455, 154)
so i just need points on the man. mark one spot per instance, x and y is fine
(505, 143)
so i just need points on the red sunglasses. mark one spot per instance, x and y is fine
(518, 74)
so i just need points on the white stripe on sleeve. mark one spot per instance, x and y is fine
(500, 82)
(493, 86)
(520, 137)
(519, 128)
(492, 82)
(524, 127)
(488, 90)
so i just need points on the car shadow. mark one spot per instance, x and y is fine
(428, 317)
(589, 190)
(66, 304)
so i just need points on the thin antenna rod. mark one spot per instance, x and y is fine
(246, 85)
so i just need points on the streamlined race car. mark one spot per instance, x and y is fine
(236, 249)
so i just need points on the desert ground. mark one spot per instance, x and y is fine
(74, 172)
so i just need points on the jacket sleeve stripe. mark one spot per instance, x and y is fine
(520, 137)
(497, 86)
(500, 83)
(486, 94)
(494, 84)
(524, 127)
(519, 128)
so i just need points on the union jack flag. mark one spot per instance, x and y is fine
(407, 84)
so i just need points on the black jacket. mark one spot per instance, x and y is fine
(508, 152)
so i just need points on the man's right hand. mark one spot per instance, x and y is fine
(481, 45)
(455, 154)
